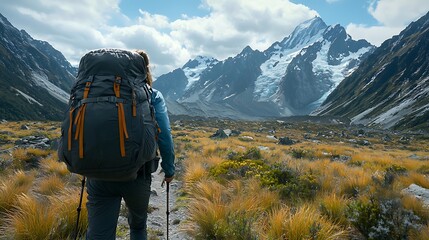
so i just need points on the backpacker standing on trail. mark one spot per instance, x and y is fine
(111, 133)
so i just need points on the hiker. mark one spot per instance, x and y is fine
(104, 197)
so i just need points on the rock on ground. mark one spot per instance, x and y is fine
(418, 192)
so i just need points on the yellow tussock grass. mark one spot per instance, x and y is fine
(31, 220)
(10, 189)
(304, 223)
(51, 185)
(216, 148)
(356, 181)
(195, 171)
(275, 225)
(208, 189)
(421, 234)
(250, 197)
(52, 166)
(64, 205)
(213, 160)
(416, 178)
(334, 207)
(415, 205)
(204, 214)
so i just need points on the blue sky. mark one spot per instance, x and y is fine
(174, 31)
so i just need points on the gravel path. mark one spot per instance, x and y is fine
(157, 219)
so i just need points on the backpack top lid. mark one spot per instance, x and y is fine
(109, 61)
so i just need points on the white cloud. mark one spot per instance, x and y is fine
(153, 20)
(231, 25)
(395, 13)
(392, 16)
(375, 34)
(74, 27)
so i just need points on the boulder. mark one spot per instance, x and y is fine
(286, 141)
(418, 192)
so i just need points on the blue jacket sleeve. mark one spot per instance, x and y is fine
(165, 140)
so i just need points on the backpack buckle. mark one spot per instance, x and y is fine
(118, 80)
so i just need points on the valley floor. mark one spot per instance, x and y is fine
(238, 180)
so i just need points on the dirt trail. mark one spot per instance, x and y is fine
(157, 219)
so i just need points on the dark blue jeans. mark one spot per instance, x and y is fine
(104, 203)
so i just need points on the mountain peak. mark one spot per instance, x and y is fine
(304, 32)
(247, 49)
(315, 22)
(200, 60)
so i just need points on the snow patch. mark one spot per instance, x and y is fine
(375, 76)
(41, 80)
(272, 70)
(194, 74)
(337, 72)
(29, 99)
(395, 114)
(229, 96)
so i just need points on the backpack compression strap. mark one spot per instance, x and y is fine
(80, 118)
(121, 116)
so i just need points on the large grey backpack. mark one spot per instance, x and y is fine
(109, 131)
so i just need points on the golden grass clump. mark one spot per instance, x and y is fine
(195, 171)
(357, 181)
(422, 234)
(413, 177)
(28, 157)
(334, 207)
(19, 183)
(52, 166)
(51, 185)
(217, 148)
(303, 223)
(217, 211)
(65, 205)
(31, 220)
(416, 206)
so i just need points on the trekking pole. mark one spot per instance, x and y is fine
(168, 199)
(79, 208)
(168, 207)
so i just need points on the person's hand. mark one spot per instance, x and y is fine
(169, 179)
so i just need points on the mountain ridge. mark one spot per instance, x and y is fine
(255, 84)
(34, 77)
(390, 88)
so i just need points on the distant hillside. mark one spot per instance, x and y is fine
(34, 77)
(391, 87)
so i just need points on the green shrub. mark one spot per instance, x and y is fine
(252, 153)
(392, 172)
(382, 219)
(302, 153)
(237, 226)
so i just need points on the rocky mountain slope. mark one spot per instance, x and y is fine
(34, 77)
(391, 87)
(292, 77)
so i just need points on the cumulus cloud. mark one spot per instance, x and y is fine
(393, 13)
(74, 27)
(231, 25)
(392, 16)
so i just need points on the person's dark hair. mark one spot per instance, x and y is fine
(146, 59)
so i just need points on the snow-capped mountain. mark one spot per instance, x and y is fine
(391, 87)
(34, 77)
(292, 77)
